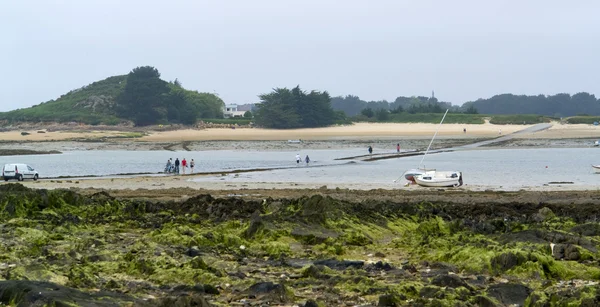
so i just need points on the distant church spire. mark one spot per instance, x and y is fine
(432, 94)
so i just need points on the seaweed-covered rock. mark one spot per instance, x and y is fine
(543, 215)
(315, 271)
(507, 261)
(256, 224)
(541, 237)
(36, 293)
(183, 300)
(312, 234)
(589, 229)
(566, 252)
(379, 266)
(388, 300)
(509, 293)
(311, 303)
(484, 301)
(276, 293)
(340, 265)
(450, 281)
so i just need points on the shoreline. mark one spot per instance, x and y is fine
(357, 132)
(165, 183)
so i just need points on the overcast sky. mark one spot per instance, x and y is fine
(376, 49)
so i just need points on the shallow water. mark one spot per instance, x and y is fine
(511, 168)
(103, 163)
(493, 167)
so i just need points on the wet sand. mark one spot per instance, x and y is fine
(186, 182)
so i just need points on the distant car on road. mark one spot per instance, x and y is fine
(19, 171)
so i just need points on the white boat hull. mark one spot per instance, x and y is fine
(439, 179)
(596, 167)
(412, 173)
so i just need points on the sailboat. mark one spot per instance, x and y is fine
(431, 177)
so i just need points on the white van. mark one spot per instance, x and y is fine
(19, 171)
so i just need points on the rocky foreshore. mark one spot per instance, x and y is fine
(92, 248)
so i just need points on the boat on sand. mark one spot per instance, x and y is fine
(431, 177)
(439, 179)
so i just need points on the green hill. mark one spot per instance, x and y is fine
(140, 97)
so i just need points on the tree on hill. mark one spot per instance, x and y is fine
(142, 99)
(287, 109)
(148, 100)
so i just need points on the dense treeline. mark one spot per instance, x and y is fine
(559, 105)
(353, 105)
(287, 109)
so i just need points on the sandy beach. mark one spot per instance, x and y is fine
(355, 131)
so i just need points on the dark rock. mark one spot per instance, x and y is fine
(36, 293)
(507, 261)
(450, 281)
(98, 258)
(256, 224)
(238, 274)
(198, 263)
(316, 208)
(209, 289)
(409, 267)
(315, 271)
(197, 288)
(388, 300)
(483, 301)
(311, 303)
(590, 302)
(379, 255)
(379, 266)
(509, 294)
(431, 292)
(193, 252)
(313, 234)
(269, 291)
(209, 235)
(589, 229)
(442, 266)
(566, 252)
(340, 265)
(183, 300)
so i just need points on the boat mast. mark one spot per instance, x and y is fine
(433, 138)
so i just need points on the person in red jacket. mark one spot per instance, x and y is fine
(183, 165)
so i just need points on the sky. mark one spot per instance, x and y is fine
(376, 49)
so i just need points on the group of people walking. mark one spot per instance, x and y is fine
(175, 167)
(299, 159)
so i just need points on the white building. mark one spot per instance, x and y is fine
(231, 110)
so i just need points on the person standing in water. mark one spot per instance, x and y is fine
(307, 160)
(298, 159)
(398, 148)
(176, 165)
(192, 164)
(370, 149)
(183, 165)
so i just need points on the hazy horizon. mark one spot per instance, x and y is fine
(462, 50)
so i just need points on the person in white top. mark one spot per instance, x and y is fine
(298, 159)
